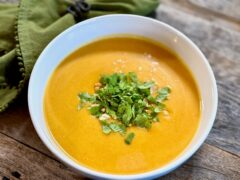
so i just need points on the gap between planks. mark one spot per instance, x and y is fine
(19, 157)
(199, 11)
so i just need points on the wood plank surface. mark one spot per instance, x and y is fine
(225, 7)
(15, 122)
(20, 161)
(215, 27)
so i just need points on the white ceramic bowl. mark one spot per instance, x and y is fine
(87, 31)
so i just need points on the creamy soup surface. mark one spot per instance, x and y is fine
(79, 134)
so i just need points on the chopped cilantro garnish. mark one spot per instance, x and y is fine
(106, 129)
(129, 138)
(121, 100)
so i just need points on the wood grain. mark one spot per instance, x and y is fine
(193, 9)
(209, 163)
(217, 33)
(16, 123)
(27, 163)
(225, 7)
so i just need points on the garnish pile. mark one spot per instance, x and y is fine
(121, 101)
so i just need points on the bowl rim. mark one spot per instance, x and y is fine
(153, 173)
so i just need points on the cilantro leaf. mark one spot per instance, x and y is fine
(118, 128)
(85, 97)
(146, 85)
(129, 138)
(133, 76)
(95, 110)
(105, 127)
(163, 94)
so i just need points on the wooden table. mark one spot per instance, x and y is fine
(215, 27)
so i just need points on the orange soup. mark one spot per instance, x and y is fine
(79, 133)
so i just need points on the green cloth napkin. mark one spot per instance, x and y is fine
(25, 30)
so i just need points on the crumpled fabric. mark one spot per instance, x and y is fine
(27, 28)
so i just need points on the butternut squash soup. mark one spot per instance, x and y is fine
(122, 105)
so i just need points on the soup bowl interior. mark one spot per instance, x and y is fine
(89, 30)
